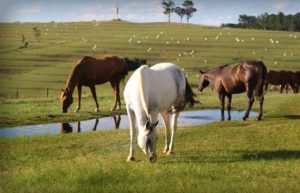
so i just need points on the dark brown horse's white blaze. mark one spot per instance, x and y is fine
(92, 71)
(281, 78)
(248, 76)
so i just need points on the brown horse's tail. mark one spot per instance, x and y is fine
(189, 94)
(259, 90)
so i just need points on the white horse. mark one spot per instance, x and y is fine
(161, 89)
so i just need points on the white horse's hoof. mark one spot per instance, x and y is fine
(166, 150)
(130, 159)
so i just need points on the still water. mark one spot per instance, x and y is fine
(186, 118)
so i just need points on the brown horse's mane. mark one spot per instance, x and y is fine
(74, 74)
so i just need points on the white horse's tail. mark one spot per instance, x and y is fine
(144, 100)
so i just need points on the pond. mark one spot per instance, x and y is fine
(186, 118)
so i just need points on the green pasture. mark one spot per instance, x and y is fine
(236, 156)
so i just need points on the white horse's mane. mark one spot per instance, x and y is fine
(144, 101)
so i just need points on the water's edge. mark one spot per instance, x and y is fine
(186, 118)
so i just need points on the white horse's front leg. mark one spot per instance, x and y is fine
(166, 119)
(132, 133)
(173, 130)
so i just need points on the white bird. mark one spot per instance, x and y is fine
(217, 37)
(157, 36)
(272, 41)
(130, 39)
(237, 39)
(149, 49)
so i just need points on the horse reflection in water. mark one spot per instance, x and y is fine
(67, 127)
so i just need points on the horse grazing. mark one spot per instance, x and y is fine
(161, 89)
(247, 76)
(91, 71)
(281, 78)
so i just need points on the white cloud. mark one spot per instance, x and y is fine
(36, 8)
(281, 5)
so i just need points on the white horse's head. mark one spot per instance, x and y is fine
(147, 140)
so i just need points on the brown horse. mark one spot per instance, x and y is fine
(281, 78)
(91, 71)
(247, 76)
(295, 77)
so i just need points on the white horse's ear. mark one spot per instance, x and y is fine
(148, 124)
(155, 124)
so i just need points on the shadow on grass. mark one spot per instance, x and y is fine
(234, 156)
(292, 116)
(271, 155)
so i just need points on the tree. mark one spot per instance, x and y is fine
(180, 11)
(169, 7)
(189, 9)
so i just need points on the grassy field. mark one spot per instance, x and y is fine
(236, 156)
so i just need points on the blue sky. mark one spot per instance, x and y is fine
(210, 12)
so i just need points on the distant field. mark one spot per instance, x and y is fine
(47, 61)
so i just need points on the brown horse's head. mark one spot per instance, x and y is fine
(66, 99)
(133, 64)
(204, 81)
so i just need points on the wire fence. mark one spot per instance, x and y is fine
(17, 93)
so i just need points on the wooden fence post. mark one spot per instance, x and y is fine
(17, 93)
(47, 92)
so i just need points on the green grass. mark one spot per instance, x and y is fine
(236, 156)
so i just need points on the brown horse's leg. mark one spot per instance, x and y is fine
(261, 104)
(222, 100)
(229, 96)
(281, 88)
(93, 90)
(113, 85)
(118, 95)
(79, 87)
(251, 100)
(267, 87)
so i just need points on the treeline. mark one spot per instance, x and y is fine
(267, 21)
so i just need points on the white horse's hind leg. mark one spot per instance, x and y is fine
(166, 119)
(173, 128)
(132, 133)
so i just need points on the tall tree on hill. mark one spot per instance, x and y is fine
(180, 12)
(189, 9)
(169, 7)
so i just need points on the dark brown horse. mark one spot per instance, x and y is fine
(91, 71)
(295, 77)
(281, 78)
(247, 76)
